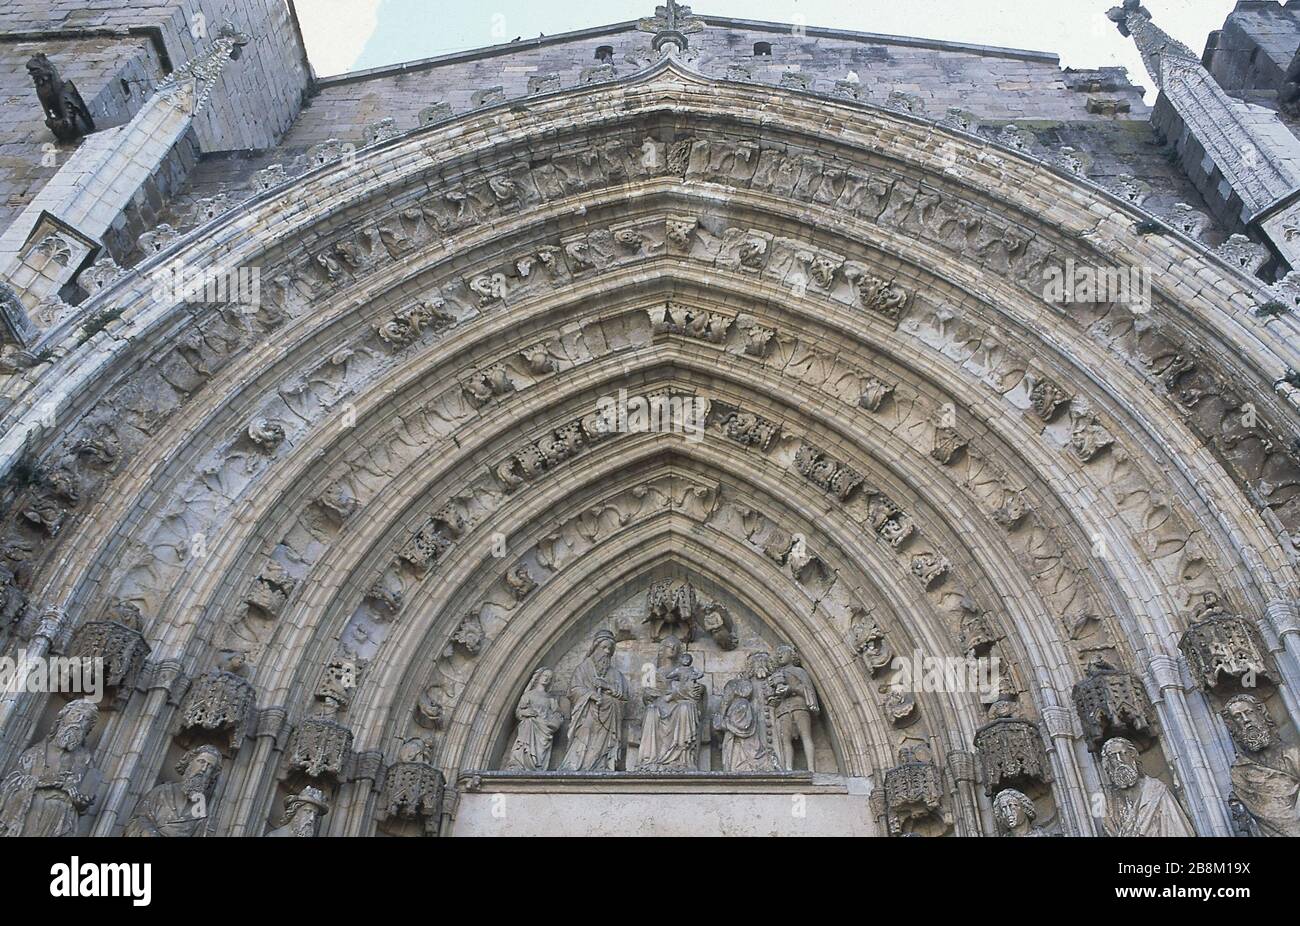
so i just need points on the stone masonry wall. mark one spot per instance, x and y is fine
(114, 76)
(1098, 113)
(116, 51)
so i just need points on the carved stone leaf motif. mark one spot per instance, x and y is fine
(521, 581)
(680, 229)
(266, 434)
(930, 568)
(882, 297)
(426, 546)
(868, 640)
(757, 338)
(690, 322)
(407, 325)
(468, 637)
(1012, 511)
(947, 444)
(750, 429)
(874, 393)
(338, 500)
(1088, 438)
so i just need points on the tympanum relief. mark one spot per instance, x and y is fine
(648, 693)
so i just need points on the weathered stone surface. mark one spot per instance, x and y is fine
(584, 440)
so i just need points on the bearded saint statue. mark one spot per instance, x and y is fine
(1137, 804)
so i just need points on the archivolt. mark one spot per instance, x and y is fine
(839, 202)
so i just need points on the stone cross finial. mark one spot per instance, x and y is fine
(1134, 21)
(670, 25)
(1253, 151)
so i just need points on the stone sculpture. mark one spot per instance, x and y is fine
(1137, 804)
(599, 695)
(670, 733)
(1015, 814)
(43, 795)
(66, 114)
(302, 813)
(180, 808)
(795, 701)
(1266, 774)
(738, 720)
(539, 718)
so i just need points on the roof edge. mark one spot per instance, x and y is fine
(505, 48)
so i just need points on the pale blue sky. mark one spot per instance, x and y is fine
(344, 35)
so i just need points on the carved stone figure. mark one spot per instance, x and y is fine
(539, 718)
(738, 720)
(66, 114)
(1015, 814)
(795, 701)
(670, 732)
(1266, 774)
(598, 693)
(179, 808)
(43, 795)
(867, 638)
(1136, 804)
(266, 434)
(302, 813)
(521, 581)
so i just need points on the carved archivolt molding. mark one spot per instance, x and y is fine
(230, 408)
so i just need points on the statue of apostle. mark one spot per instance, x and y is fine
(43, 795)
(1266, 775)
(179, 808)
(598, 693)
(1136, 804)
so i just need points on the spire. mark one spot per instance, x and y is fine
(1250, 149)
(1155, 45)
(670, 25)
